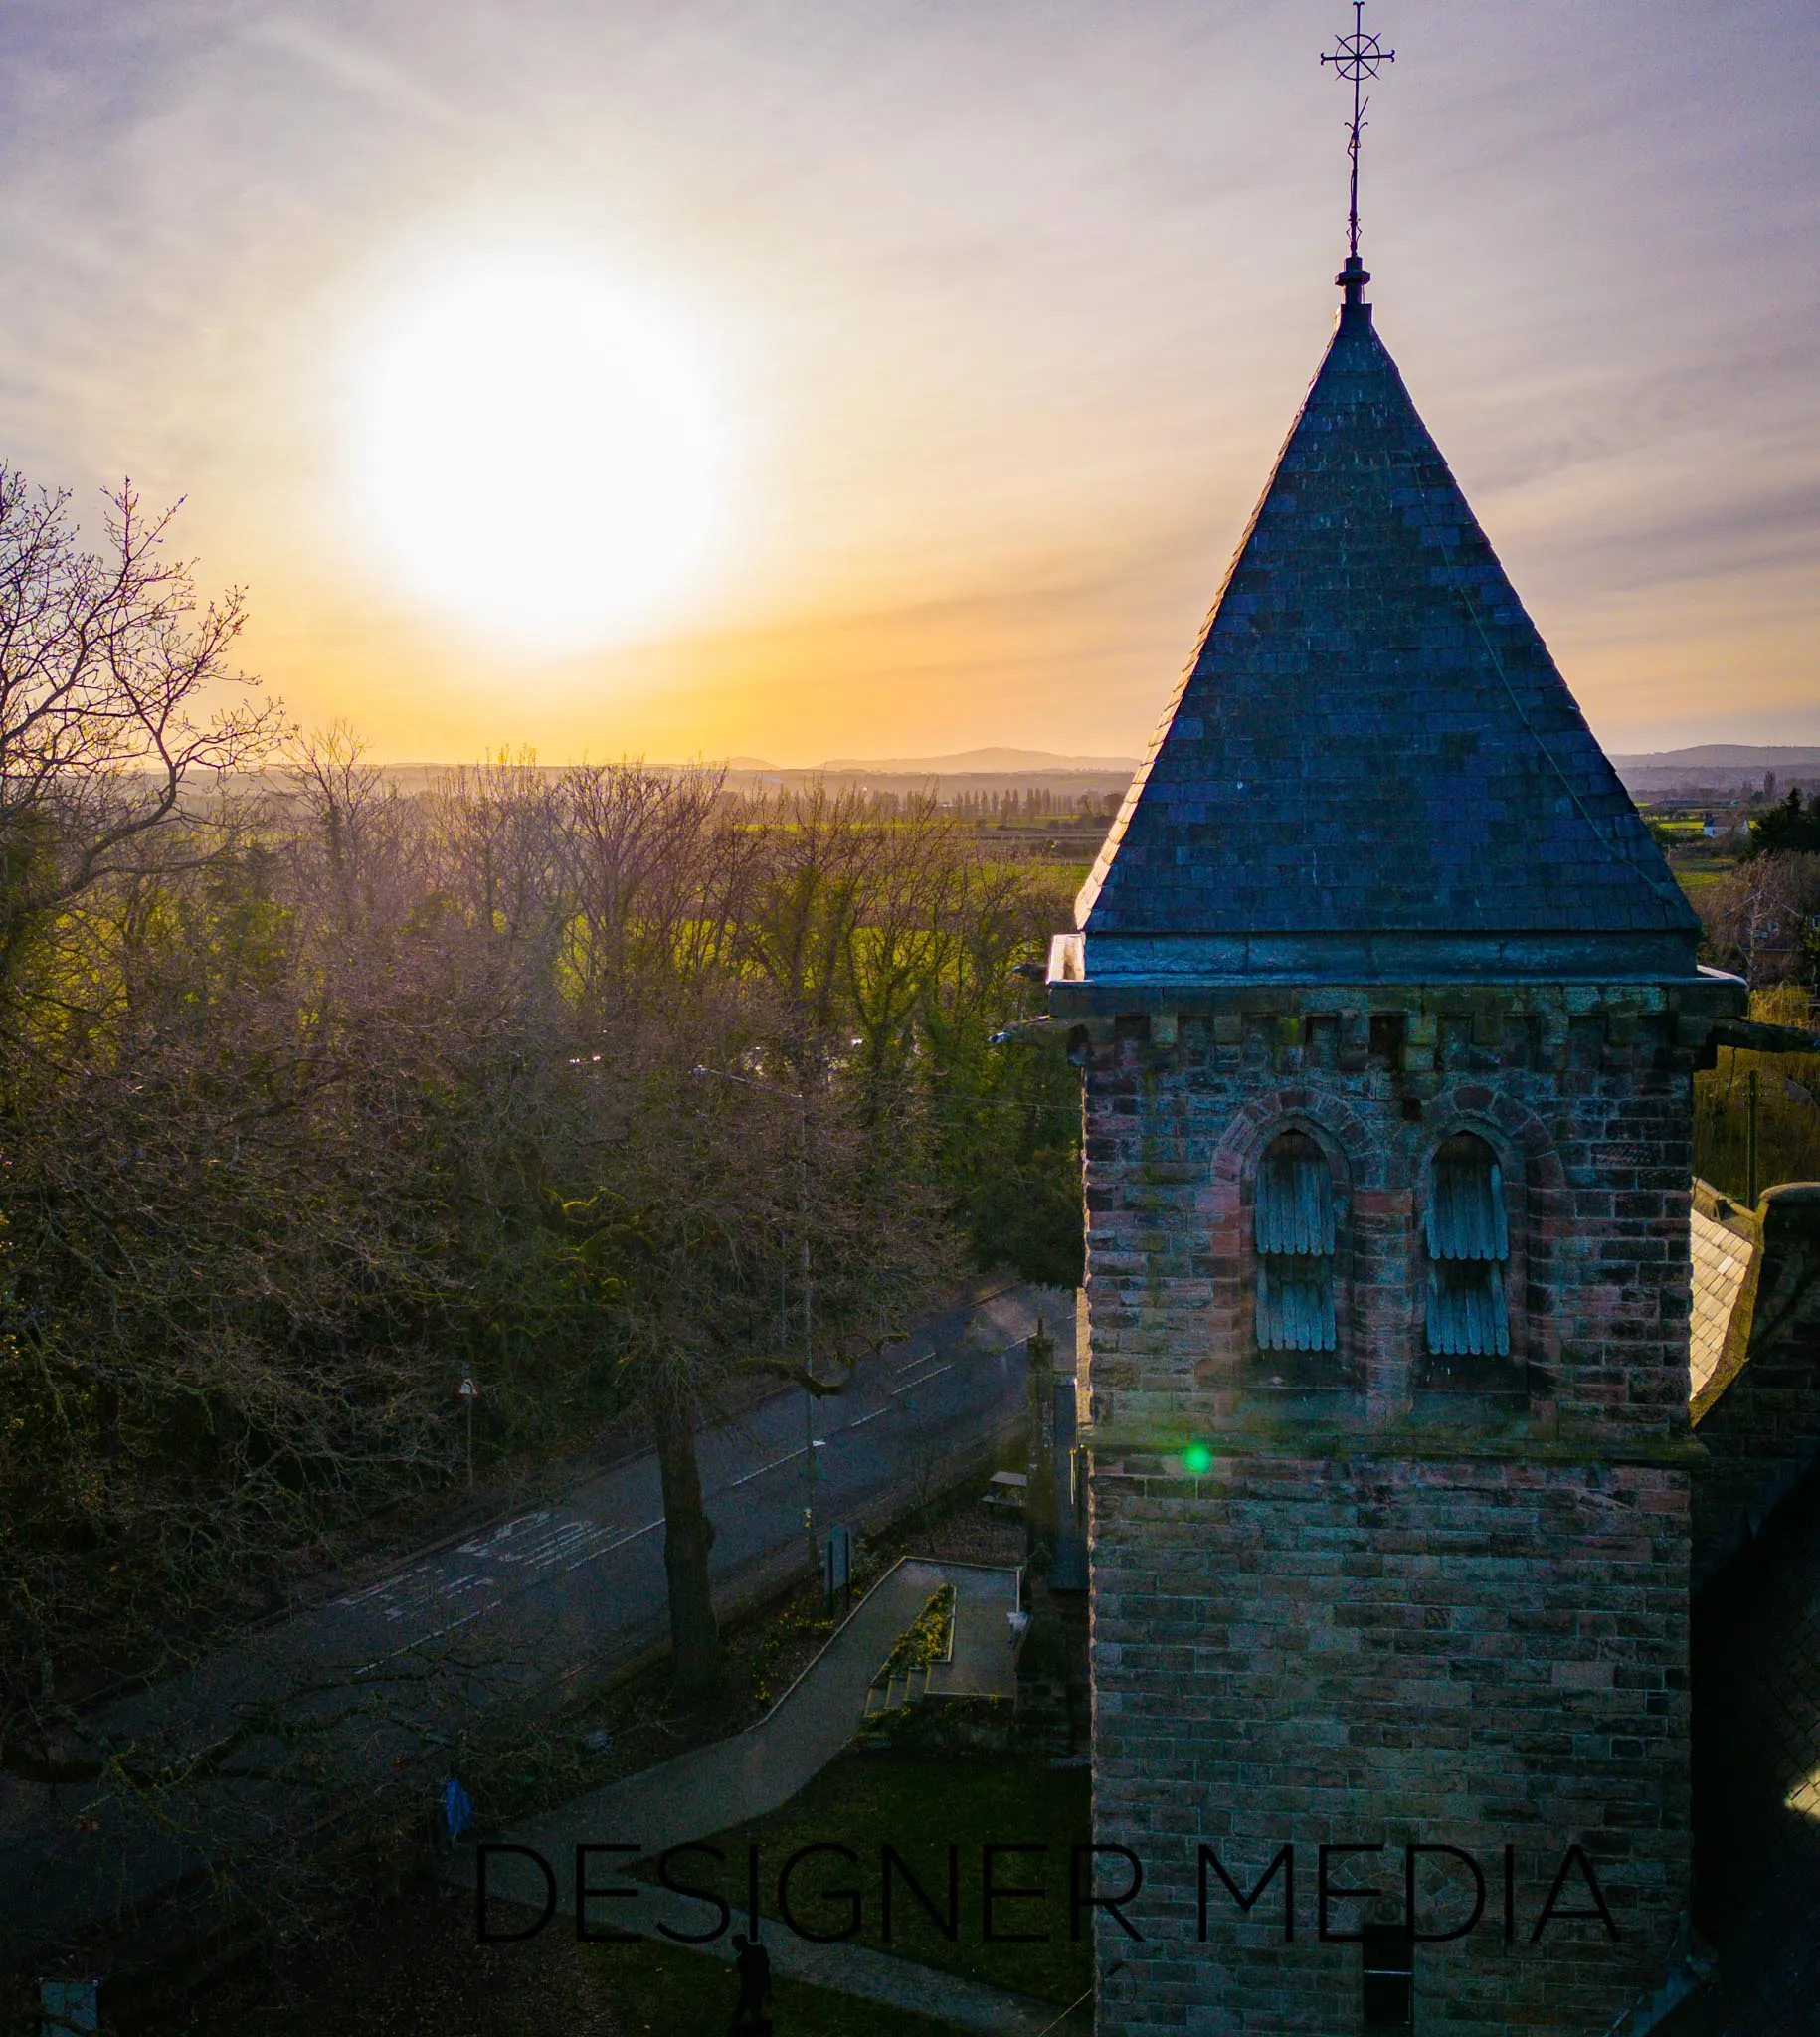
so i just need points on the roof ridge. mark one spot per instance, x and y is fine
(1659, 878)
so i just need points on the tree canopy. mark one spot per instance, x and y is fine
(1788, 828)
(347, 1091)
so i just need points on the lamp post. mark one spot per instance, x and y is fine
(810, 1443)
(1751, 1169)
(470, 1393)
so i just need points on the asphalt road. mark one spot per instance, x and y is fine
(373, 1678)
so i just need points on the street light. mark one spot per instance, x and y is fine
(468, 1394)
(810, 1442)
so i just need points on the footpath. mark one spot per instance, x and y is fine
(757, 1770)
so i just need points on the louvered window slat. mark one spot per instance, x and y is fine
(1466, 1207)
(1293, 1228)
(1295, 1303)
(1467, 1317)
(1295, 1198)
(1468, 1239)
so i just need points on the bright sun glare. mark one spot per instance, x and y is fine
(537, 454)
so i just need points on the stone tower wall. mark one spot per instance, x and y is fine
(1402, 1606)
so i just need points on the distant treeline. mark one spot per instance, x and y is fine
(1061, 797)
(1034, 803)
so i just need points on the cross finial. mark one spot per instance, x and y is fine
(1356, 58)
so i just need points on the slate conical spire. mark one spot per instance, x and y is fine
(1372, 764)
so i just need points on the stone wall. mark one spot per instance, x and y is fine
(1402, 1605)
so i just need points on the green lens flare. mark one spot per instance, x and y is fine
(1196, 1459)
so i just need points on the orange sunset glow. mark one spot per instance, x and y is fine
(787, 382)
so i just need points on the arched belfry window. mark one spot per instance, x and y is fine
(1293, 1233)
(1468, 1245)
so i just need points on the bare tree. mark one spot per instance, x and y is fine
(111, 669)
(659, 872)
(698, 1207)
(361, 832)
(1761, 917)
(811, 900)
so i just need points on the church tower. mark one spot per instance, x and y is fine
(1387, 1008)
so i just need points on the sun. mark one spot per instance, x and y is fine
(537, 454)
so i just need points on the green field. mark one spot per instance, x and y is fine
(1693, 880)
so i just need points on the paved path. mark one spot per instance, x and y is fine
(981, 1664)
(757, 1770)
(384, 1672)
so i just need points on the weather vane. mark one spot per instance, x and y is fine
(1357, 58)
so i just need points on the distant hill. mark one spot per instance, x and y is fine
(1717, 767)
(1776, 756)
(966, 761)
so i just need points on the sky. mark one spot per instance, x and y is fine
(987, 320)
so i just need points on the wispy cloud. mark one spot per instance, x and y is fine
(354, 68)
(1008, 309)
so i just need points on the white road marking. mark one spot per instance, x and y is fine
(384, 1585)
(733, 1484)
(630, 1535)
(532, 1544)
(910, 1385)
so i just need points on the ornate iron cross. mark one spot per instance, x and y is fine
(1357, 58)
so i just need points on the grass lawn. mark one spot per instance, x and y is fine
(865, 1801)
(1692, 882)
